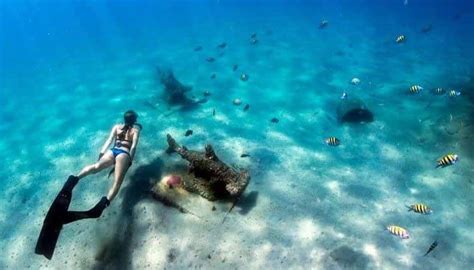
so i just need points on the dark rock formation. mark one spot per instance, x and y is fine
(353, 110)
(174, 91)
(213, 179)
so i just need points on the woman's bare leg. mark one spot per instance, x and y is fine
(106, 161)
(122, 162)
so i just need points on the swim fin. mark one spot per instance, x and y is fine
(53, 223)
(94, 212)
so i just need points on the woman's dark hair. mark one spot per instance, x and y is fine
(129, 119)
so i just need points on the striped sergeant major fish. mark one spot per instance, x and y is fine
(454, 93)
(447, 160)
(398, 231)
(400, 39)
(420, 208)
(333, 141)
(415, 89)
(433, 246)
(439, 91)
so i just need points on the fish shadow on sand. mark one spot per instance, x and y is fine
(248, 202)
(363, 192)
(116, 252)
(347, 258)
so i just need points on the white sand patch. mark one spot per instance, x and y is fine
(222, 118)
(391, 152)
(261, 254)
(406, 259)
(238, 145)
(278, 136)
(172, 130)
(334, 187)
(306, 231)
(433, 181)
(371, 250)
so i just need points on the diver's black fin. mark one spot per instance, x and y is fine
(94, 212)
(53, 223)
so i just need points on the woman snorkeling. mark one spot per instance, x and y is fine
(126, 137)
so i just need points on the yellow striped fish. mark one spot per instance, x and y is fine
(420, 208)
(447, 160)
(333, 141)
(400, 39)
(398, 231)
(415, 89)
(438, 91)
(454, 93)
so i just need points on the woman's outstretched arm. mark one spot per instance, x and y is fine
(108, 142)
(136, 136)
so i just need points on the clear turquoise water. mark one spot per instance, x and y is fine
(68, 71)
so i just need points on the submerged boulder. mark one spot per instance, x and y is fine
(211, 178)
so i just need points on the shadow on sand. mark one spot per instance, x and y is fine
(115, 253)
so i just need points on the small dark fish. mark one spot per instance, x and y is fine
(254, 35)
(426, 28)
(244, 77)
(433, 246)
(274, 120)
(235, 67)
(189, 132)
(198, 48)
(213, 112)
(206, 93)
(213, 76)
(210, 59)
(246, 108)
(253, 41)
(244, 155)
(222, 45)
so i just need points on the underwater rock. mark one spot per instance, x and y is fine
(353, 110)
(174, 92)
(213, 179)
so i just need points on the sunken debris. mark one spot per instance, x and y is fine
(211, 178)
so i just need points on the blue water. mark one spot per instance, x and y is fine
(69, 69)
